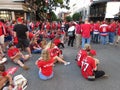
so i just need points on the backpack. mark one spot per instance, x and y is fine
(20, 80)
(71, 33)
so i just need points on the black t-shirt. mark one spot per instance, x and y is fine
(21, 30)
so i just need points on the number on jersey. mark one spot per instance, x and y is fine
(85, 65)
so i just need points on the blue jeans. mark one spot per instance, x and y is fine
(85, 40)
(111, 37)
(43, 77)
(96, 38)
(103, 39)
(36, 51)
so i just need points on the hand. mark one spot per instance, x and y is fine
(10, 87)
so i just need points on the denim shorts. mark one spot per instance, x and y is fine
(43, 77)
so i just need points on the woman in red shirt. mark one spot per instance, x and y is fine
(45, 64)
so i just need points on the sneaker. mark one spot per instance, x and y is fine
(105, 76)
(67, 63)
(111, 43)
(25, 67)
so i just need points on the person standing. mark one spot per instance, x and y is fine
(86, 29)
(78, 35)
(2, 34)
(104, 32)
(71, 34)
(112, 31)
(22, 33)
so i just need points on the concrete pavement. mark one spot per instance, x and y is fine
(69, 77)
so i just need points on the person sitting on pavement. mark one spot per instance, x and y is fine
(55, 53)
(3, 59)
(83, 53)
(17, 57)
(34, 46)
(89, 67)
(4, 78)
(45, 64)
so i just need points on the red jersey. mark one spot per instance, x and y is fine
(104, 30)
(112, 27)
(12, 52)
(87, 67)
(4, 74)
(46, 67)
(81, 54)
(1, 28)
(57, 41)
(96, 28)
(86, 29)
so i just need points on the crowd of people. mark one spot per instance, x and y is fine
(49, 38)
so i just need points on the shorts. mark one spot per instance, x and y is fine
(8, 38)
(22, 43)
(43, 77)
(16, 60)
(2, 39)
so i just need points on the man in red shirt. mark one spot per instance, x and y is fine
(104, 32)
(2, 34)
(17, 57)
(86, 29)
(89, 67)
(112, 30)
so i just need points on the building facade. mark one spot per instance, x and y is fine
(12, 9)
(92, 9)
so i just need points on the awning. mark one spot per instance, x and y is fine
(13, 7)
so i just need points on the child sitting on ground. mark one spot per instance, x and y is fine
(17, 57)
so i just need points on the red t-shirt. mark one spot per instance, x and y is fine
(86, 29)
(3, 74)
(87, 67)
(112, 27)
(57, 41)
(54, 52)
(118, 32)
(46, 67)
(1, 29)
(81, 54)
(12, 52)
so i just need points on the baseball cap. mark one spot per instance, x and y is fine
(19, 19)
(93, 52)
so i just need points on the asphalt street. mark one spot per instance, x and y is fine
(69, 77)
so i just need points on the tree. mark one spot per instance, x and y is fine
(44, 7)
(76, 16)
(53, 16)
(68, 18)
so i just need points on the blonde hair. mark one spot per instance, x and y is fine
(49, 45)
(45, 54)
(43, 43)
(87, 47)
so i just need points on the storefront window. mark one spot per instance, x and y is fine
(6, 15)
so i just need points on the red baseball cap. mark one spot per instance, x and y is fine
(93, 52)
(19, 19)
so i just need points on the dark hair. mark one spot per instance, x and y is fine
(11, 44)
(2, 68)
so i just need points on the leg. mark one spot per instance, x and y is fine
(61, 60)
(99, 74)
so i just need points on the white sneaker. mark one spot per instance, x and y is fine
(3, 60)
(67, 63)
